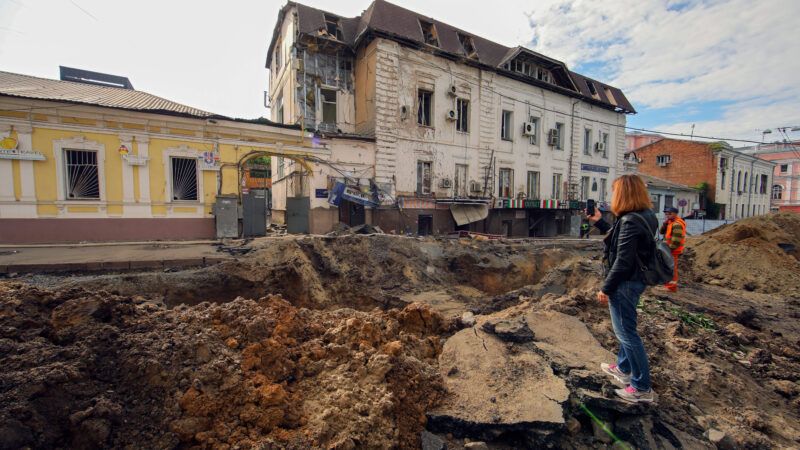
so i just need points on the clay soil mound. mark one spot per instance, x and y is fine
(756, 254)
(95, 370)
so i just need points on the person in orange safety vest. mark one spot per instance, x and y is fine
(674, 231)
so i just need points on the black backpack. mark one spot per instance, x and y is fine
(661, 266)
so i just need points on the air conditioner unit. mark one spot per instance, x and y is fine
(445, 183)
(529, 129)
(474, 186)
(600, 147)
(451, 114)
(452, 90)
(552, 137)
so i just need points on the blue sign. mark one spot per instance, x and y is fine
(594, 168)
(340, 191)
(321, 193)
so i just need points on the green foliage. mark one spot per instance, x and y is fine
(693, 320)
(702, 187)
(720, 145)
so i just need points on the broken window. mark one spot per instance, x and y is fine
(556, 188)
(424, 176)
(542, 75)
(784, 168)
(278, 56)
(460, 181)
(592, 89)
(506, 123)
(332, 27)
(506, 187)
(328, 97)
(604, 140)
(429, 34)
(533, 185)
(560, 132)
(587, 142)
(184, 179)
(764, 181)
(83, 182)
(424, 107)
(468, 45)
(462, 119)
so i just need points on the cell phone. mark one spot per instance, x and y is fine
(590, 207)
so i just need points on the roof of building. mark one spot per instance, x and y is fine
(661, 183)
(26, 86)
(403, 25)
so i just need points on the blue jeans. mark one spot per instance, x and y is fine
(632, 358)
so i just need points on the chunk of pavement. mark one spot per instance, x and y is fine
(468, 319)
(431, 441)
(495, 389)
(567, 341)
(513, 329)
(596, 401)
(476, 446)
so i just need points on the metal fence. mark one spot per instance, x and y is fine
(699, 226)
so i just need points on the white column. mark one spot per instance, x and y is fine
(27, 208)
(6, 177)
(143, 208)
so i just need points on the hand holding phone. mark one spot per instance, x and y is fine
(590, 205)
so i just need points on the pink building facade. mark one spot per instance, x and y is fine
(637, 140)
(785, 189)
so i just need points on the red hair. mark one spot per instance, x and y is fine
(629, 194)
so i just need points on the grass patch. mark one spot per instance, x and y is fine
(693, 320)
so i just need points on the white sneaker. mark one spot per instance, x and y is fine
(632, 395)
(613, 370)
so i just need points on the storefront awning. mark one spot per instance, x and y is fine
(464, 214)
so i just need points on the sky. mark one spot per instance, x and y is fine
(729, 68)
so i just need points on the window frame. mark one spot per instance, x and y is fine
(77, 143)
(557, 185)
(335, 21)
(66, 167)
(603, 189)
(423, 167)
(507, 125)
(561, 127)
(604, 140)
(534, 140)
(197, 176)
(509, 187)
(433, 40)
(421, 104)
(535, 192)
(462, 122)
(587, 141)
(323, 102)
(585, 187)
(459, 189)
(782, 170)
(777, 192)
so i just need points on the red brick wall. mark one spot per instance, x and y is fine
(692, 163)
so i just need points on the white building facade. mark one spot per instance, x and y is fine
(458, 122)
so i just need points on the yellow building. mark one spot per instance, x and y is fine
(86, 162)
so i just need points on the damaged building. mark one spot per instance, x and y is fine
(436, 129)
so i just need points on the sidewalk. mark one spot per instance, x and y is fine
(113, 256)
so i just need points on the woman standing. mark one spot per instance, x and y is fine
(625, 246)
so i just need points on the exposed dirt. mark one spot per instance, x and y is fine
(369, 348)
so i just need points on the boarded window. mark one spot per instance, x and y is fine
(424, 176)
(462, 109)
(424, 107)
(83, 181)
(184, 179)
(506, 123)
(460, 181)
(506, 186)
(533, 185)
(429, 34)
(328, 105)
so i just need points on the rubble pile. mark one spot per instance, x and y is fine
(94, 370)
(380, 341)
(757, 254)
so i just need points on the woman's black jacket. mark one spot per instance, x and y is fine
(622, 245)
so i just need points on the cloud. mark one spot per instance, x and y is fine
(667, 54)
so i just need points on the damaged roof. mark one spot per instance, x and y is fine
(403, 25)
(26, 86)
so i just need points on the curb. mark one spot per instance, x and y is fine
(111, 266)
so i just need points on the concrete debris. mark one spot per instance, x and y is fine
(468, 319)
(478, 445)
(511, 330)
